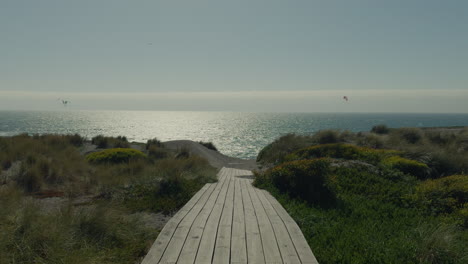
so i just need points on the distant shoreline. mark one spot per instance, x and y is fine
(240, 134)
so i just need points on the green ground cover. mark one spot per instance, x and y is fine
(383, 197)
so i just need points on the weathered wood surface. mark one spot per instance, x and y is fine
(231, 222)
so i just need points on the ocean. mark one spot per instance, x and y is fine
(235, 134)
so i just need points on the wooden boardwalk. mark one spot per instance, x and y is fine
(231, 222)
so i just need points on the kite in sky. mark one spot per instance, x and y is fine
(345, 98)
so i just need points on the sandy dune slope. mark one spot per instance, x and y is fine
(215, 158)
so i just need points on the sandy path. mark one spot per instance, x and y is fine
(215, 158)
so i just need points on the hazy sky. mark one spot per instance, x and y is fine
(242, 55)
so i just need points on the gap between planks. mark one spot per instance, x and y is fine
(231, 222)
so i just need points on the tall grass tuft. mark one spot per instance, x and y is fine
(208, 145)
(410, 135)
(380, 129)
(275, 152)
(305, 179)
(436, 244)
(69, 235)
(327, 137)
(110, 142)
(154, 142)
(157, 152)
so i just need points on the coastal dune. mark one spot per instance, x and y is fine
(215, 158)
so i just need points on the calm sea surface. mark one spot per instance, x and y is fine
(235, 134)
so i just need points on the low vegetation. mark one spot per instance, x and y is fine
(275, 152)
(115, 155)
(208, 145)
(380, 129)
(342, 151)
(110, 142)
(411, 167)
(444, 150)
(446, 195)
(388, 196)
(304, 179)
(172, 189)
(154, 143)
(89, 218)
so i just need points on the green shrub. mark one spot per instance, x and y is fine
(440, 138)
(342, 151)
(164, 196)
(208, 145)
(30, 179)
(60, 140)
(371, 141)
(110, 142)
(117, 155)
(380, 129)
(76, 140)
(444, 195)
(177, 181)
(275, 152)
(462, 214)
(120, 142)
(378, 184)
(100, 141)
(305, 179)
(327, 136)
(415, 168)
(445, 163)
(154, 142)
(178, 190)
(410, 135)
(157, 152)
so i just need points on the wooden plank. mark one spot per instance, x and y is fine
(178, 239)
(160, 245)
(286, 246)
(302, 248)
(270, 246)
(223, 240)
(238, 243)
(231, 222)
(190, 249)
(207, 243)
(254, 241)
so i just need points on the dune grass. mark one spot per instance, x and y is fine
(381, 197)
(208, 145)
(97, 234)
(115, 155)
(110, 142)
(118, 182)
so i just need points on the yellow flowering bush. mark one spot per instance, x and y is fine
(415, 168)
(444, 195)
